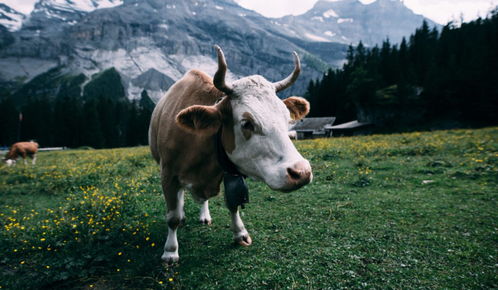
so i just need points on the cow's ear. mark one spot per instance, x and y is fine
(204, 120)
(298, 107)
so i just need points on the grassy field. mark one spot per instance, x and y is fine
(414, 210)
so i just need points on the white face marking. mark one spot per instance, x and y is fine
(269, 152)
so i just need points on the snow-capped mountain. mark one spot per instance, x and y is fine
(11, 18)
(49, 16)
(68, 11)
(80, 5)
(152, 43)
(350, 21)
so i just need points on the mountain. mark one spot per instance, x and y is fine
(50, 15)
(11, 18)
(152, 43)
(350, 21)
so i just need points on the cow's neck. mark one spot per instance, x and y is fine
(226, 164)
(236, 191)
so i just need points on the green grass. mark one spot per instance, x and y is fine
(414, 210)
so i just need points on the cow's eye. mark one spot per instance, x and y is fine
(247, 125)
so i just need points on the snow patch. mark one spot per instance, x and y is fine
(317, 18)
(219, 7)
(330, 13)
(329, 33)
(316, 37)
(11, 19)
(81, 5)
(345, 20)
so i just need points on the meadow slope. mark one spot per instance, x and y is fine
(415, 210)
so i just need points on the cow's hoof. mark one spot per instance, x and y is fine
(170, 258)
(244, 240)
(206, 221)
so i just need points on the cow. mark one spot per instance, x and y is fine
(23, 149)
(201, 120)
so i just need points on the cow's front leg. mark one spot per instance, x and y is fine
(240, 234)
(174, 217)
(204, 215)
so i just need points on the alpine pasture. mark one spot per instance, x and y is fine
(414, 210)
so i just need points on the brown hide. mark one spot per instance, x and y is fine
(186, 158)
(22, 149)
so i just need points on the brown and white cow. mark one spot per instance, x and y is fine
(23, 149)
(252, 122)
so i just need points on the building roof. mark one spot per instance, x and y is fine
(349, 125)
(313, 124)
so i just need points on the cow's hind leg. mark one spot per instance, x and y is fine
(240, 234)
(205, 215)
(174, 199)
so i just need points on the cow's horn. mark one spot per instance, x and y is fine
(288, 81)
(219, 76)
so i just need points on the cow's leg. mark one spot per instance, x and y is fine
(174, 199)
(24, 155)
(240, 234)
(205, 216)
(33, 157)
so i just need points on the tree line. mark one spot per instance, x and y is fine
(100, 116)
(435, 79)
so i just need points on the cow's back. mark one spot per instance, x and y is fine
(170, 145)
(22, 148)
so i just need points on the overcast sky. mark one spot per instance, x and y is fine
(440, 11)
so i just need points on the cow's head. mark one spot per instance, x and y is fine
(9, 162)
(255, 125)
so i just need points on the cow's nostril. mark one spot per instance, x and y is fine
(294, 174)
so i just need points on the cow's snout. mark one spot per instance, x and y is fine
(298, 175)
